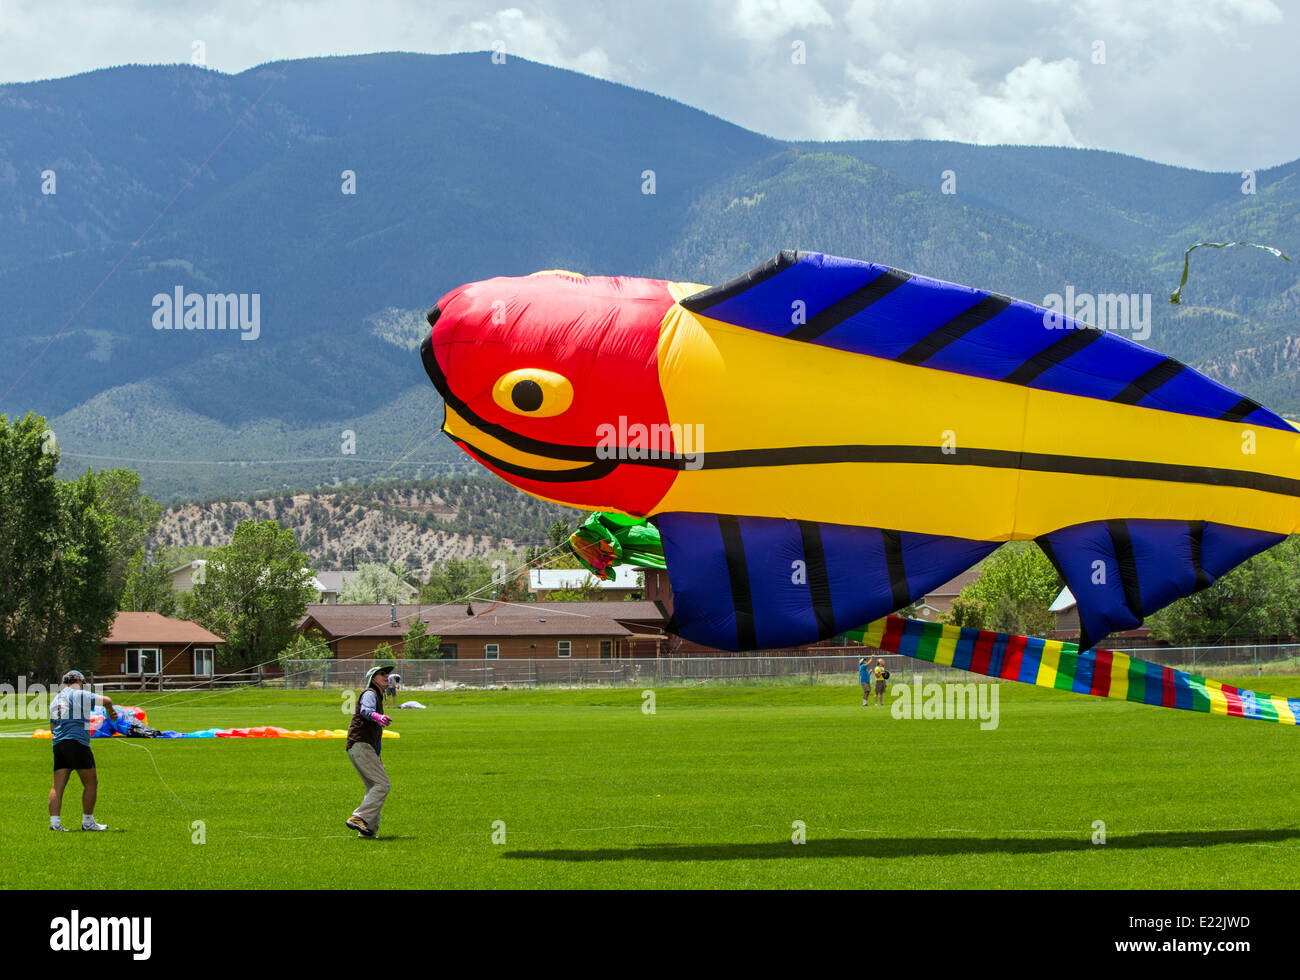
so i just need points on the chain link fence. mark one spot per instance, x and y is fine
(1246, 657)
(771, 668)
(837, 666)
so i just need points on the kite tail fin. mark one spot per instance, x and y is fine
(1061, 666)
(1120, 571)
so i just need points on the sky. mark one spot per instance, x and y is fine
(1210, 84)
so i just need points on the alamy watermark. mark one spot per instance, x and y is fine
(638, 441)
(99, 934)
(1128, 312)
(31, 702)
(181, 310)
(932, 701)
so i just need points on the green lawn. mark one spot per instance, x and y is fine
(595, 793)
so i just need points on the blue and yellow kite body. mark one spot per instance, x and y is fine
(822, 440)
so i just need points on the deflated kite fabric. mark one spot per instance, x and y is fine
(1051, 663)
(822, 440)
(102, 727)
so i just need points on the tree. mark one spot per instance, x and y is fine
(419, 644)
(148, 587)
(56, 600)
(134, 518)
(509, 577)
(254, 592)
(588, 590)
(1259, 598)
(1013, 594)
(552, 554)
(457, 578)
(375, 583)
(309, 645)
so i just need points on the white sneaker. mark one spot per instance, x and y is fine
(60, 827)
(92, 826)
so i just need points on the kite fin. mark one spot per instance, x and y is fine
(1063, 667)
(748, 583)
(1117, 570)
(872, 309)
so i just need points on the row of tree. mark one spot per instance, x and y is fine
(66, 547)
(75, 552)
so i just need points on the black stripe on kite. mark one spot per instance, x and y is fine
(1239, 411)
(819, 583)
(850, 305)
(742, 600)
(1045, 544)
(956, 328)
(897, 574)
(732, 288)
(1130, 469)
(1196, 531)
(1052, 355)
(1122, 542)
(1149, 381)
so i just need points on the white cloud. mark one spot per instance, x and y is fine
(536, 38)
(1209, 83)
(765, 21)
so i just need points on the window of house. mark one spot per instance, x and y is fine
(564, 648)
(492, 651)
(203, 661)
(447, 651)
(143, 660)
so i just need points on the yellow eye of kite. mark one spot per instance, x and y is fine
(533, 392)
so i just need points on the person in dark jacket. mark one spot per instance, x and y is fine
(365, 742)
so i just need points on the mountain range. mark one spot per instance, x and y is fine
(121, 187)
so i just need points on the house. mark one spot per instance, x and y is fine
(330, 583)
(147, 644)
(544, 581)
(185, 577)
(1065, 610)
(938, 601)
(496, 630)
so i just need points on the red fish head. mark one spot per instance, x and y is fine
(543, 376)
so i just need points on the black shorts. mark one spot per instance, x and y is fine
(72, 755)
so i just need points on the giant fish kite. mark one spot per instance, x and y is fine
(821, 441)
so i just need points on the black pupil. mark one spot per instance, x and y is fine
(527, 396)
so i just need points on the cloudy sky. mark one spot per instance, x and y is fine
(1201, 83)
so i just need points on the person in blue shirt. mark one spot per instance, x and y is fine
(70, 713)
(864, 678)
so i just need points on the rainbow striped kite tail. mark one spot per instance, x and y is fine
(1063, 667)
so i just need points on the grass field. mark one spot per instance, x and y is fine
(595, 793)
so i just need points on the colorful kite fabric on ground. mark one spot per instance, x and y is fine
(1061, 666)
(102, 727)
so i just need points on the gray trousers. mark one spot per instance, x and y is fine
(371, 770)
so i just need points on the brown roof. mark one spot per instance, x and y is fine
(953, 586)
(151, 627)
(488, 619)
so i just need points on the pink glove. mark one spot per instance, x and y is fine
(383, 720)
